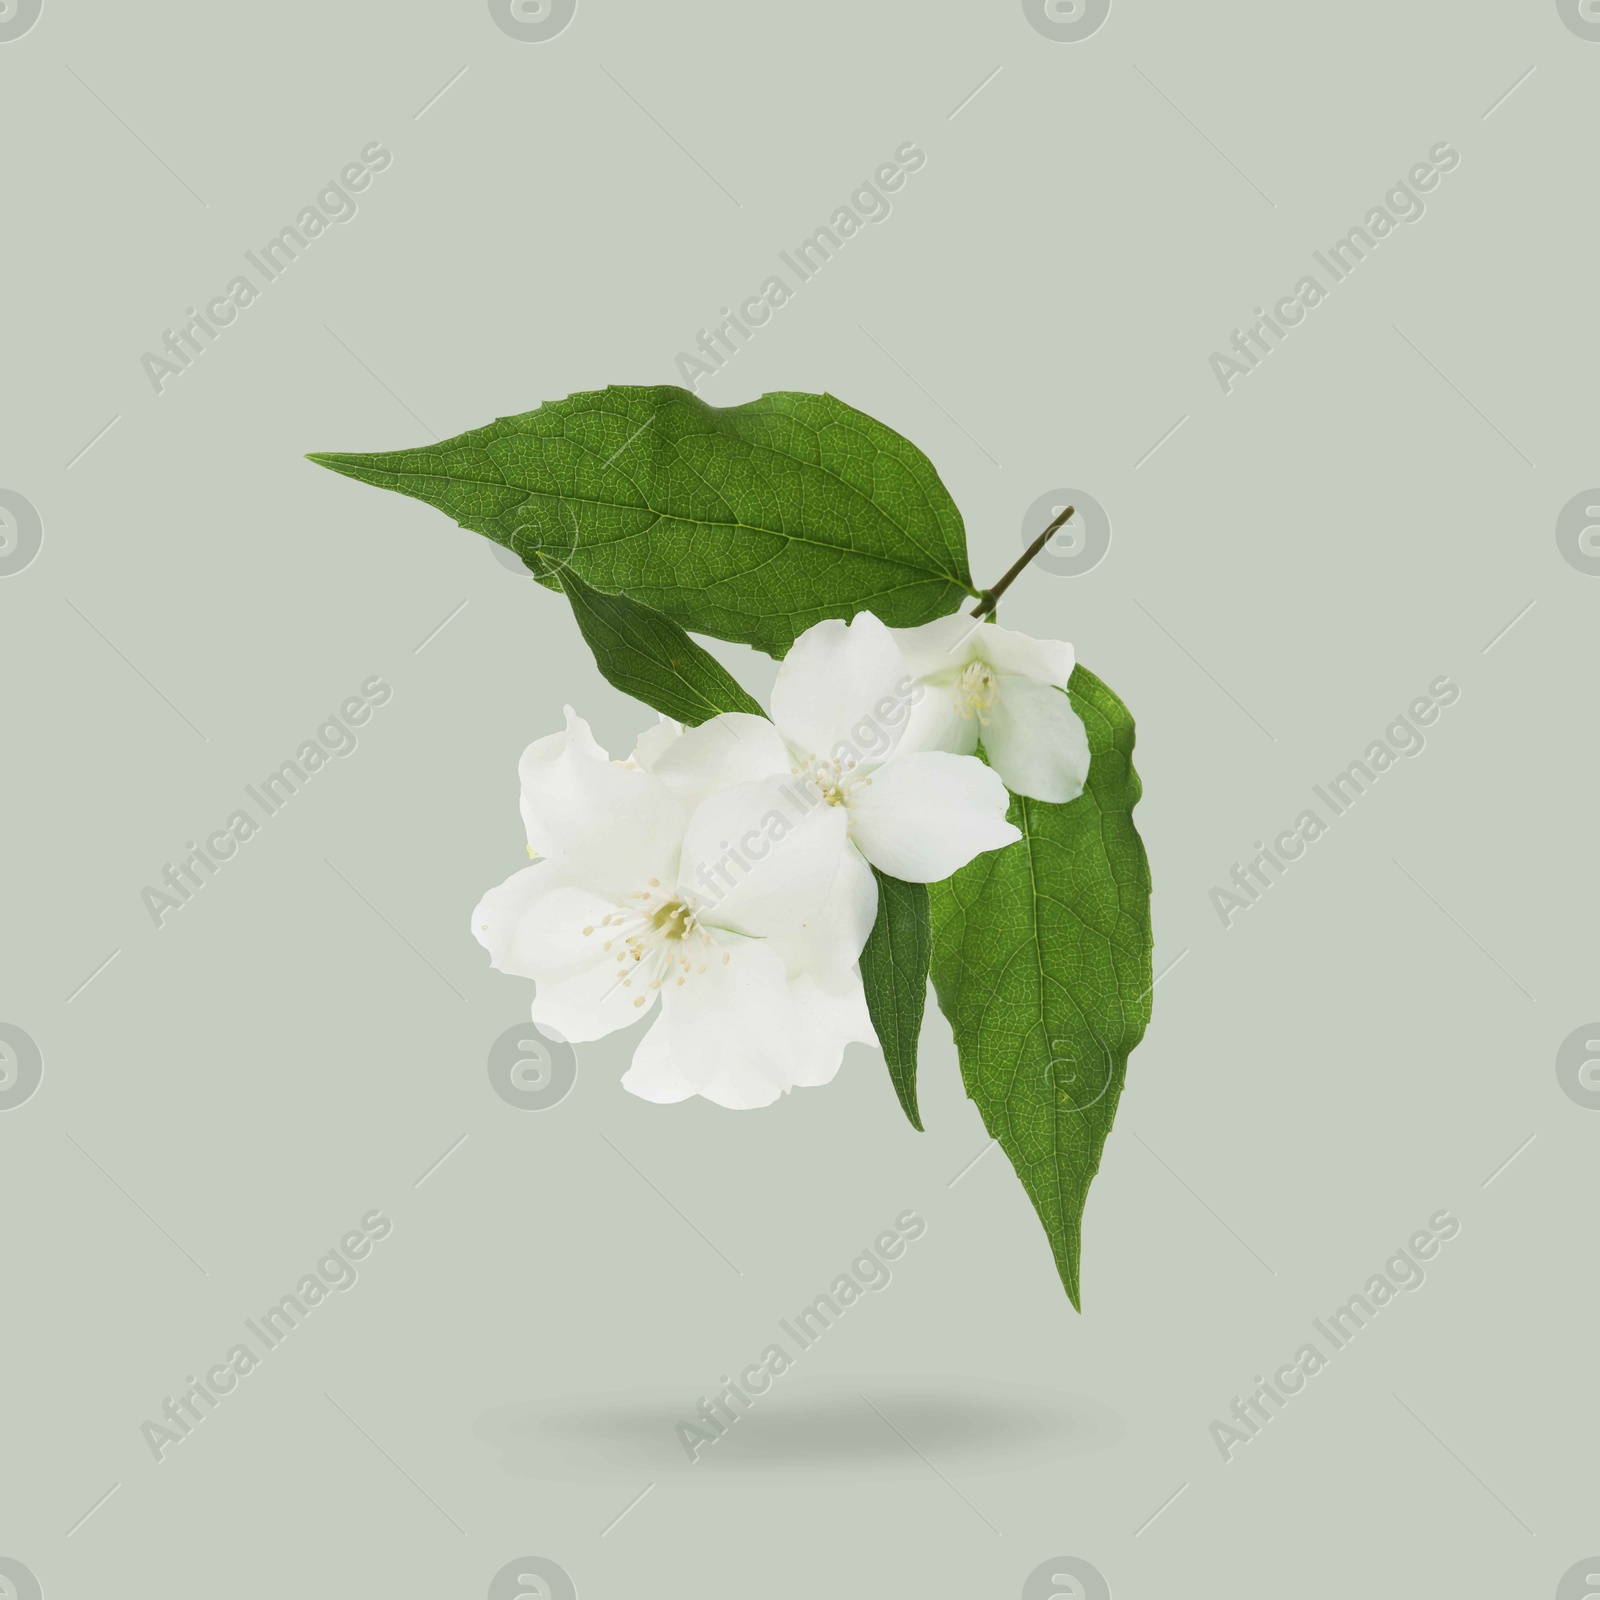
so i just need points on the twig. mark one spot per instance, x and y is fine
(991, 597)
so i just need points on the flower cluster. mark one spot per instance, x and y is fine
(726, 871)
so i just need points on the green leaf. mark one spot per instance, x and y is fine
(748, 523)
(894, 969)
(1041, 962)
(649, 656)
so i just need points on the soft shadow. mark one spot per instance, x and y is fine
(841, 1429)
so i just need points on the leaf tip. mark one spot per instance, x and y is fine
(347, 464)
(1069, 1282)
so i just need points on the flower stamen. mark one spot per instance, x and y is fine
(976, 692)
(832, 781)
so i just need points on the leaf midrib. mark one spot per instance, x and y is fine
(1035, 900)
(757, 450)
(928, 573)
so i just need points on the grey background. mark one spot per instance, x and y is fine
(308, 1037)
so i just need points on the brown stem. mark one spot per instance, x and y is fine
(991, 597)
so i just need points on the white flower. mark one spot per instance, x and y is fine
(724, 870)
(638, 895)
(840, 709)
(842, 703)
(990, 685)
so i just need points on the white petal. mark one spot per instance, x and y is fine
(608, 826)
(1036, 741)
(940, 646)
(506, 922)
(937, 723)
(532, 926)
(590, 1002)
(951, 642)
(833, 1013)
(927, 815)
(734, 748)
(761, 858)
(654, 742)
(831, 684)
(831, 942)
(1045, 660)
(577, 732)
(728, 1033)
